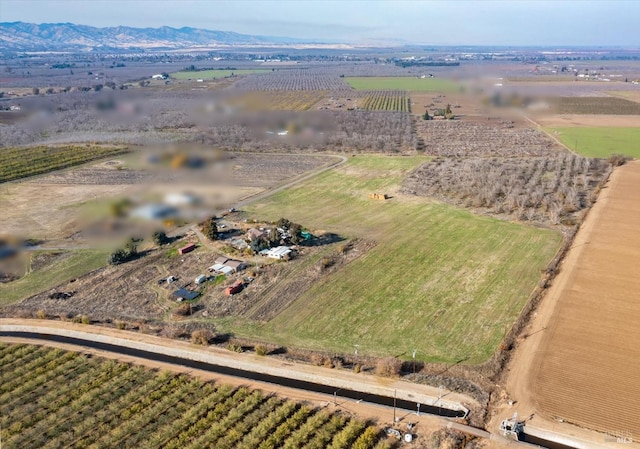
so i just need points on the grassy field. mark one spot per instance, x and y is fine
(52, 398)
(210, 74)
(440, 279)
(16, 163)
(70, 266)
(600, 142)
(402, 83)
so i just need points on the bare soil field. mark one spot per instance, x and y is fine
(136, 290)
(546, 88)
(633, 95)
(129, 287)
(566, 120)
(49, 206)
(586, 370)
(595, 105)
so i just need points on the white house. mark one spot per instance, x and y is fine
(279, 252)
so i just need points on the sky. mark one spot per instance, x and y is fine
(438, 22)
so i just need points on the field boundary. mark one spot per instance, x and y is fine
(335, 379)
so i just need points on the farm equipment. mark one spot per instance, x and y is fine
(511, 427)
(393, 433)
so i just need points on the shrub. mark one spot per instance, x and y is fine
(316, 359)
(325, 262)
(183, 310)
(388, 367)
(234, 347)
(122, 255)
(41, 314)
(202, 337)
(617, 160)
(261, 350)
(160, 238)
(121, 325)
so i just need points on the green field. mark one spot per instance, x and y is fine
(52, 398)
(600, 142)
(210, 74)
(402, 83)
(440, 279)
(71, 266)
(16, 163)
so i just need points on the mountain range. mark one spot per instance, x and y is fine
(21, 36)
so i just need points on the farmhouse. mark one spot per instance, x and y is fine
(255, 234)
(279, 252)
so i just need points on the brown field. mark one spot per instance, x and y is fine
(586, 371)
(633, 95)
(279, 101)
(566, 120)
(595, 105)
(50, 206)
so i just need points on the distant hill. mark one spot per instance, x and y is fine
(21, 36)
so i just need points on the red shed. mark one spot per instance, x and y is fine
(187, 249)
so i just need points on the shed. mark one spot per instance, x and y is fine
(221, 260)
(226, 270)
(200, 279)
(187, 249)
(186, 294)
(216, 267)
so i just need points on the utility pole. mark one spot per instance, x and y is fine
(394, 407)
(414, 360)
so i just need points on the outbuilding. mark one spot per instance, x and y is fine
(200, 279)
(187, 249)
(184, 294)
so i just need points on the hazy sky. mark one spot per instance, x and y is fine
(479, 22)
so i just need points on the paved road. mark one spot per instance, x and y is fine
(361, 387)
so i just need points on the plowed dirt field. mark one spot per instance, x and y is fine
(588, 369)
